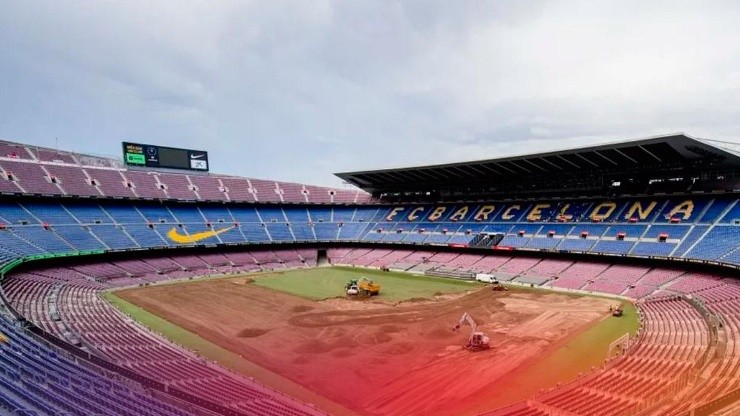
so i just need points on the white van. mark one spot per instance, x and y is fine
(486, 278)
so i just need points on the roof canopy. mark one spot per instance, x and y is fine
(651, 156)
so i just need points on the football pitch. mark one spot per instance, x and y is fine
(296, 330)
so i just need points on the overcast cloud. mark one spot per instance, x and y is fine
(299, 90)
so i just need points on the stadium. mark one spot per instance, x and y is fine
(596, 281)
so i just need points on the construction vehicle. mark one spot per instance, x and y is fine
(498, 287)
(478, 341)
(617, 311)
(362, 287)
(368, 287)
(351, 287)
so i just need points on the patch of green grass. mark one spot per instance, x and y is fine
(167, 329)
(328, 282)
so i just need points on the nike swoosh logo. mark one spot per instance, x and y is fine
(194, 238)
(197, 156)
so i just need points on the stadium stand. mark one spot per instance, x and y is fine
(58, 227)
(61, 204)
(37, 379)
(79, 315)
(64, 173)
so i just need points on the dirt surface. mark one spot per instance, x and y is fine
(372, 358)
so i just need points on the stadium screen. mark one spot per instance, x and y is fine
(150, 156)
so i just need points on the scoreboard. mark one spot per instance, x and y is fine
(150, 156)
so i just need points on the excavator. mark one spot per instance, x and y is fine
(362, 287)
(478, 341)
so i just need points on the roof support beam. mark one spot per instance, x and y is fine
(534, 164)
(504, 167)
(587, 161)
(475, 168)
(622, 153)
(524, 169)
(490, 169)
(568, 162)
(607, 159)
(426, 173)
(401, 175)
(650, 153)
(387, 177)
(449, 170)
(550, 163)
(416, 174)
(457, 168)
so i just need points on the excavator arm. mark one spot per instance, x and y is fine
(466, 319)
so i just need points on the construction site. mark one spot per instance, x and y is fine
(449, 353)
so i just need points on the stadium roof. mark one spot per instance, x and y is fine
(663, 151)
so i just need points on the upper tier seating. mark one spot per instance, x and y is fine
(32, 170)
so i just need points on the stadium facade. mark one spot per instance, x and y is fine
(656, 221)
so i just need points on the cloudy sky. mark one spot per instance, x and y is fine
(299, 90)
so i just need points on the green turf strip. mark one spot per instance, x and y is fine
(328, 282)
(167, 329)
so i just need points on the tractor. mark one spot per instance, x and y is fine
(351, 287)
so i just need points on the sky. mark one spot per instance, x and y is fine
(298, 90)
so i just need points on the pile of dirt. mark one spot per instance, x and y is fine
(440, 333)
(344, 304)
(390, 329)
(343, 352)
(300, 308)
(336, 332)
(313, 346)
(302, 359)
(375, 338)
(342, 343)
(398, 348)
(415, 300)
(252, 332)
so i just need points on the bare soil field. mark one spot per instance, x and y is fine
(372, 358)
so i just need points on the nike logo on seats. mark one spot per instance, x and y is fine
(194, 238)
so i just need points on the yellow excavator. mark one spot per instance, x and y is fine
(362, 287)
